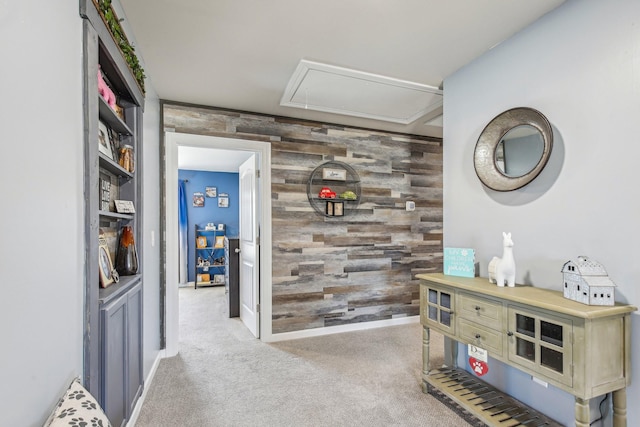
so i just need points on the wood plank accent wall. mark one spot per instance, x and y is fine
(358, 268)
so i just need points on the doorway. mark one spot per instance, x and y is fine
(262, 151)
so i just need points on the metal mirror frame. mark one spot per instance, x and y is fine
(484, 156)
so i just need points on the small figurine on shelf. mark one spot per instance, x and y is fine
(348, 195)
(105, 91)
(587, 282)
(326, 193)
(503, 270)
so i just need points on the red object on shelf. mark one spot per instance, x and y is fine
(326, 193)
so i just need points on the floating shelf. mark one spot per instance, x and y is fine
(334, 207)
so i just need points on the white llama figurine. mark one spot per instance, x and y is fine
(503, 269)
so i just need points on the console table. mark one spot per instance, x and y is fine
(581, 349)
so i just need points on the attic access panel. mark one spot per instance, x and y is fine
(338, 90)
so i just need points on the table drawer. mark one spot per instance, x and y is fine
(481, 311)
(488, 339)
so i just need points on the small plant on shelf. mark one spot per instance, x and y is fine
(128, 52)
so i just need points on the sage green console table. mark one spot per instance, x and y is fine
(581, 349)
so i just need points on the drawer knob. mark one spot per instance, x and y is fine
(477, 336)
(477, 308)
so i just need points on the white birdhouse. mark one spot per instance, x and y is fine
(586, 281)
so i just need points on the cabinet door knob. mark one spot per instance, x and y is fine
(237, 250)
(509, 334)
(477, 307)
(477, 336)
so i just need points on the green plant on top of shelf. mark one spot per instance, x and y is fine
(128, 52)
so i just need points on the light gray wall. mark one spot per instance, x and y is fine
(41, 226)
(580, 66)
(41, 231)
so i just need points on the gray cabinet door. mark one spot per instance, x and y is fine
(114, 359)
(122, 355)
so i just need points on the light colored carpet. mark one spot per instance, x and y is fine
(223, 376)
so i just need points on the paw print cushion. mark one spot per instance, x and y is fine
(77, 408)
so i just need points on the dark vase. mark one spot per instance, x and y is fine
(127, 257)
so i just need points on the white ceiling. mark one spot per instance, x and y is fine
(211, 159)
(241, 54)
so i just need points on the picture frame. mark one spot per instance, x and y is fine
(104, 140)
(338, 208)
(211, 191)
(198, 200)
(220, 227)
(108, 274)
(114, 140)
(124, 206)
(334, 174)
(223, 202)
(219, 242)
(329, 209)
(105, 194)
(201, 242)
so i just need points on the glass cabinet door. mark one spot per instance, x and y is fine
(438, 309)
(525, 337)
(540, 343)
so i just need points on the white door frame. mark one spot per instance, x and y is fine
(172, 141)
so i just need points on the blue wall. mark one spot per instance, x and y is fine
(225, 182)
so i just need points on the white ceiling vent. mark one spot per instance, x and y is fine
(338, 90)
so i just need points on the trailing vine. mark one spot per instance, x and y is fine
(128, 52)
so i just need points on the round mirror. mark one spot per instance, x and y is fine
(513, 149)
(519, 151)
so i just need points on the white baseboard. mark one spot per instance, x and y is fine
(131, 422)
(307, 333)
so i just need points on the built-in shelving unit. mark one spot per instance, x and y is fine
(113, 311)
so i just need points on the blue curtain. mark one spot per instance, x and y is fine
(183, 232)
